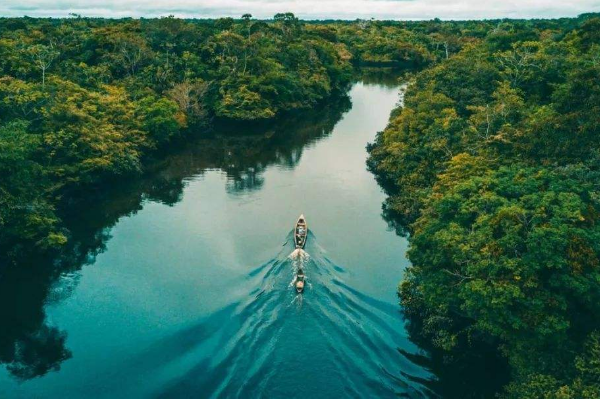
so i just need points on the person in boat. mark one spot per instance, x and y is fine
(300, 234)
(299, 281)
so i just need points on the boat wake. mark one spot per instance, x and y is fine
(268, 343)
(299, 253)
(300, 259)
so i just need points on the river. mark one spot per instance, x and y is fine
(178, 285)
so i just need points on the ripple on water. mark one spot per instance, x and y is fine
(271, 342)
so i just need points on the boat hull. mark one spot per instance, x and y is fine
(300, 232)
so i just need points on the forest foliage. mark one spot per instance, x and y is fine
(492, 163)
(86, 100)
(492, 166)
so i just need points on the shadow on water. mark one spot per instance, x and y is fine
(29, 346)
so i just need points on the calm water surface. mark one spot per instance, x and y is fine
(178, 285)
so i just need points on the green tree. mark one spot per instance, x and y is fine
(160, 118)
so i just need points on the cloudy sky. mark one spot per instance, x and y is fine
(308, 9)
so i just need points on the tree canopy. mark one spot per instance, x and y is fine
(492, 167)
(86, 100)
(491, 163)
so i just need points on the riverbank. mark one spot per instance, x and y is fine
(492, 170)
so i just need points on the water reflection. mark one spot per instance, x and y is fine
(387, 77)
(244, 158)
(29, 345)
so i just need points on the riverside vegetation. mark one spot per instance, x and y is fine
(84, 101)
(492, 166)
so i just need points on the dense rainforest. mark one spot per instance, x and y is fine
(493, 169)
(84, 101)
(492, 164)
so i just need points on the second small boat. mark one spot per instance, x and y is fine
(300, 232)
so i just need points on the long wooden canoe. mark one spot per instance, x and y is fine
(300, 232)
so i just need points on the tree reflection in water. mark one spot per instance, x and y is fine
(29, 346)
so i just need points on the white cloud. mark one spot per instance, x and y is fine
(308, 9)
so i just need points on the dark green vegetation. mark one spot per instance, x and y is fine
(85, 101)
(493, 163)
(493, 168)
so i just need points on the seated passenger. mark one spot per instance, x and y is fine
(299, 281)
(299, 286)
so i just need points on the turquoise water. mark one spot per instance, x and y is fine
(178, 285)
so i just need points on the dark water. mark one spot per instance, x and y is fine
(178, 285)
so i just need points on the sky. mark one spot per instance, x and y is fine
(306, 9)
